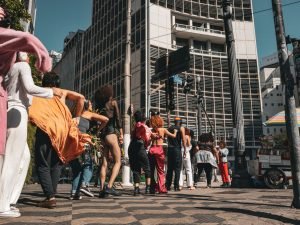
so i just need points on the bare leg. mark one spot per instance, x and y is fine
(103, 167)
(112, 141)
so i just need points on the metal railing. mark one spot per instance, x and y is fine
(202, 29)
(200, 51)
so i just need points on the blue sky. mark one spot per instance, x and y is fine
(56, 18)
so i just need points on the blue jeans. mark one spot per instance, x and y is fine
(82, 169)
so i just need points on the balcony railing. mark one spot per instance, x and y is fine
(202, 29)
(200, 51)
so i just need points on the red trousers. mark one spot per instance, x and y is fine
(223, 167)
(157, 159)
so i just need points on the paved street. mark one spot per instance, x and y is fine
(201, 206)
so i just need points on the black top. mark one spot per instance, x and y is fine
(174, 142)
(113, 114)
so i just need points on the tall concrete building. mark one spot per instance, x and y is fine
(30, 6)
(161, 26)
(273, 92)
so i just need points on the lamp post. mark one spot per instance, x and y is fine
(240, 176)
(290, 105)
(199, 101)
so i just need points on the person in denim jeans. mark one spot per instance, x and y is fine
(82, 167)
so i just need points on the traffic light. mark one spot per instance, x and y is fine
(188, 84)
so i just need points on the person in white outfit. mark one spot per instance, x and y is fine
(20, 87)
(186, 162)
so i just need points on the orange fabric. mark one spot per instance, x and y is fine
(54, 118)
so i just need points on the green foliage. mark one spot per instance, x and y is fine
(17, 12)
(31, 141)
(35, 73)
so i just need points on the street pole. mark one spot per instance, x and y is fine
(290, 106)
(240, 176)
(167, 83)
(199, 100)
(126, 117)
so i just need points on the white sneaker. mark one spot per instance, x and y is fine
(10, 213)
(15, 209)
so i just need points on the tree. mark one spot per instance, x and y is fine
(17, 11)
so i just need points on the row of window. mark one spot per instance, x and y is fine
(241, 9)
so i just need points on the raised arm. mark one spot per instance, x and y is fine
(75, 97)
(169, 134)
(27, 81)
(99, 118)
(13, 41)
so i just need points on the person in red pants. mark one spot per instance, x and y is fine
(156, 153)
(223, 164)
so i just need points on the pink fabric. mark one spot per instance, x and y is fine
(12, 41)
(142, 131)
(2, 13)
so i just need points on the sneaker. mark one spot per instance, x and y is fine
(75, 197)
(47, 203)
(102, 194)
(86, 191)
(13, 208)
(111, 191)
(10, 213)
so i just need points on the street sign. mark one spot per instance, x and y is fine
(179, 60)
(177, 79)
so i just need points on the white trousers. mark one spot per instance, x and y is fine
(186, 164)
(16, 160)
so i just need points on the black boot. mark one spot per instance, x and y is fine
(147, 190)
(136, 191)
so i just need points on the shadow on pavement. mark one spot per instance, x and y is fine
(208, 198)
(252, 213)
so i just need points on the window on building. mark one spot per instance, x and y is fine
(179, 21)
(268, 130)
(182, 42)
(200, 45)
(217, 47)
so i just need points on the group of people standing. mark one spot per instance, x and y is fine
(62, 135)
(184, 155)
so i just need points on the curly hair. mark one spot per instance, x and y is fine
(206, 137)
(139, 116)
(222, 142)
(156, 121)
(103, 94)
(51, 79)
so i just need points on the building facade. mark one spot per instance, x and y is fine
(162, 26)
(273, 92)
(30, 6)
